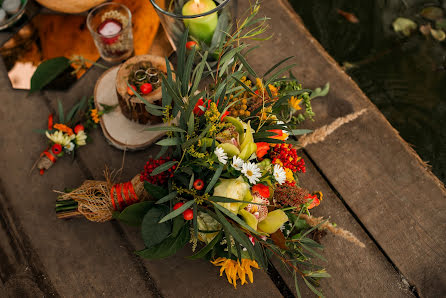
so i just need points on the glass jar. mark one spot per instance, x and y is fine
(207, 28)
(110, 24)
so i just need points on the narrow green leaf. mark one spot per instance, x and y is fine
(214, 178)
(188, 71)
(165, 128)
(61, 113)
(164, 167)
(298, 132)
(280, 72)
(199, 73)
(229, 200)
(312, 288)
(169, 142)
(167, 198)
(204, 251)
(235, 218)
(177, 212)
(246, 65)
(276, 65)
(72, 112)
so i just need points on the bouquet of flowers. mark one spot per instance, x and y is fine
(227, 176)
(70, 132)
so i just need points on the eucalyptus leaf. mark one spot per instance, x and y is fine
(155, 191)
(164, 167)
(134, 214)
(177, 212)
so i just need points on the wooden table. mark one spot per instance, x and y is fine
(373, 183)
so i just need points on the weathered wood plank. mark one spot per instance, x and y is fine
(175, 276)
(73, 261)
(375, 171)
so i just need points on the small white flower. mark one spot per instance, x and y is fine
(237, 163)
(81, 138)
(252, 172)
(70, 146)
(221, 155)
(59, 137)
(279, 174)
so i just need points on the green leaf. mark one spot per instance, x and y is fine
(178, 223)
(164, 167)
(177, 212)
(320, 92)
(155, 191)
(167, 198)
(235, 218)
(153, 232)
(168, 247)
(165, 128)
(203, 252)
(312, 288)
(277, 65)
(296, 285)
(134, 214)
(72, 112)
(246, 65)
(47, 71)
(60, 111)
(188, 71)
(199, 73)
(229, 200)
(279, 72)
(169, 142)
(214, 178)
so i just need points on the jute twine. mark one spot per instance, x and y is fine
(97, 200)
(321, 133)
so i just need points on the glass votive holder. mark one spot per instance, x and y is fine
(110, 24)
(207, 27)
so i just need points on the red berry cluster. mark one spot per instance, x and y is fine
(159, 179)
(288, 156)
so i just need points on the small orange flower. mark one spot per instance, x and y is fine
(95, 115)
(317, 198)
(63, 128)
(262, 149)
(262, 190)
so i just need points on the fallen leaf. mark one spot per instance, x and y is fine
(348, 16)
(432, 13)
(404, 26)
(438, 34)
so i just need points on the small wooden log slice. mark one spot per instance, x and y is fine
(118, 129)
(132, 107)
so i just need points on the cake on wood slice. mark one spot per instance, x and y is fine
(137, 71)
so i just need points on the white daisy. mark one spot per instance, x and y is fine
(237, 163)
(252, 172)
(221, 155)
(279, 174)
(70, 146)
(81, 138)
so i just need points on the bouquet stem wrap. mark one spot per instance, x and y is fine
(97, 200)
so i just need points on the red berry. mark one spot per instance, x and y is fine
(198, 184)
(177, 205)
(56, 148)
(191, 44)
(188, 214)
(130, 91)
(78, 128)
(146, 88)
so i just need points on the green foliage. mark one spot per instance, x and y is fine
(133, 215)
(152, 232)
(155, 191)
(169, 246)
(47, 71)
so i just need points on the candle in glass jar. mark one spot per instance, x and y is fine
(201, 28)
(109, 30)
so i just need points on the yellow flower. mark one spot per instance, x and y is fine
(295, 102)
(289, 175)
(234, 270)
